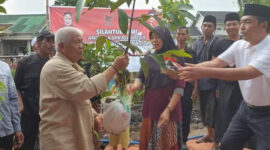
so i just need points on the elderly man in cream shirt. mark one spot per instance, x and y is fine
(67, 118)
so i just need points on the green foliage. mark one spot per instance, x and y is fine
(175, 12)
(98, 3)
(160, 22)
(117, 4)
(144, 67)
(65, 2)
(100, 42)
(159, 58)
(138, 96)
(13, 72)
(2, 9)
(133, 48)
(147, 25)
(123, 21)
(79, 7)
(178, 53)
(2, 87)
(100, 58)
(2, 90)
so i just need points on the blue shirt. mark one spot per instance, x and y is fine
(9, 108)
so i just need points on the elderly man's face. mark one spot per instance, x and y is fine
(74, 47)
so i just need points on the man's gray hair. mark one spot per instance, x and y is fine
(63, 35)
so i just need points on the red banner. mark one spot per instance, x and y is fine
(99, 22)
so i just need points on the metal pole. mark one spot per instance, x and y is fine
(47, 15)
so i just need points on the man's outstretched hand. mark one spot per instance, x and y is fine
(190, 72)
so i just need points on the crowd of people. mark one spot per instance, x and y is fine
(47, 103)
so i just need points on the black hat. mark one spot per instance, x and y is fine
(210, 18)
(231, 17)
(44, 34)
(257, 10)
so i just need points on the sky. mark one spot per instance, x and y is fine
(39, 6)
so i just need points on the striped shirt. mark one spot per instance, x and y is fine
(10, 122)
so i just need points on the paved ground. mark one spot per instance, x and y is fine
(191, 144)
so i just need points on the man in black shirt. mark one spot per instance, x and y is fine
(189, 92)
(27, 78)
(204, 49)
(229, 95)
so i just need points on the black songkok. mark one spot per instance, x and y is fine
(257, 10)
(210, 18)
(231, 17)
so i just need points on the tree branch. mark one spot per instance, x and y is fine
(130, 25)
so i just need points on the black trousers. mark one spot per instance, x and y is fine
(208, 107)
(30, 128)
(6, 142)
(248, 121)
(186, 112)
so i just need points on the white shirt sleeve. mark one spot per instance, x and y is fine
(229, 55)
(262, 63)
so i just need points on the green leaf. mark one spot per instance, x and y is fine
(133, 48)
(97, 135)
(129, 2)
(2, 87)
(159, 60)
(160, 22)
(185, 7)
(91, 4)
(147, 1)
(172, 16)
(123, 21)
(2, 99)
(1, 117)
(145, 17)
(179, 53)
(144, 67)
(107, 93)
(109, 58)
(108, 44)
(79, 7)
(3, 10)
(117, 4)
(100, 42)
(148, 26)
(2, 1)
(187, 14)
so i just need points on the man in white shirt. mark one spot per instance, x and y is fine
(251, 56)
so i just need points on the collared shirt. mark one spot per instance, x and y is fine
(65, 110)
(204, 52)
(9, 108)
(255, 91)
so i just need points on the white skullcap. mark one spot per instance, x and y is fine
(33, 42)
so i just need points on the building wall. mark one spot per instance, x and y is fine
(14, 47)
